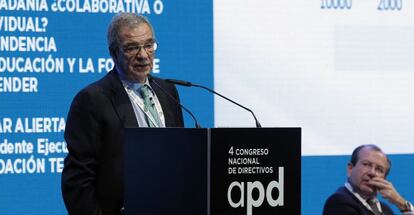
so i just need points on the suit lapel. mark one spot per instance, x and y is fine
(121, 102)
(363, 210)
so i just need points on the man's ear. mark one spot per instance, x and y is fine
(349, 169)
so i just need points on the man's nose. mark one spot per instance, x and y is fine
(372, 171)
(142, 53)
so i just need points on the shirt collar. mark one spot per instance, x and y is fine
(359, 197)
(130, 84)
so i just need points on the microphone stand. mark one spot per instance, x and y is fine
(189, 84)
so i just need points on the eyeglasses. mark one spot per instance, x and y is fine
(133, 49)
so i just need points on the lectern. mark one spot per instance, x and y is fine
(217, 171)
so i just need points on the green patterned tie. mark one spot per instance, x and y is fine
(373, 203)
(149, 106)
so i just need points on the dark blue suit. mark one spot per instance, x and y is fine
(92, 178)
(343, 202)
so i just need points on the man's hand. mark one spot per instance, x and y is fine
(388, 191)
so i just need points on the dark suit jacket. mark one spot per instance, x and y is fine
(343, 202)
(92, 178)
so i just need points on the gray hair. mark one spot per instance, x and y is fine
(120, 20)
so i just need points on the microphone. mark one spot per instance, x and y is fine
(151, 79)
(189, 84)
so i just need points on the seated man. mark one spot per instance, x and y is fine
(367, 173)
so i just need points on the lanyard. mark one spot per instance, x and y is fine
(141, 105)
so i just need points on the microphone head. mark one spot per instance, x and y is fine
(179, 82)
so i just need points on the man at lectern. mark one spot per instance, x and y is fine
(92, 178)
(367, 172)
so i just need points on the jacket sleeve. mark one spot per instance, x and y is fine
(82, 135)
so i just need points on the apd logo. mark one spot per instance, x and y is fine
(246, 193)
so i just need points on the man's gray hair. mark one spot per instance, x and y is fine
(130, 20)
